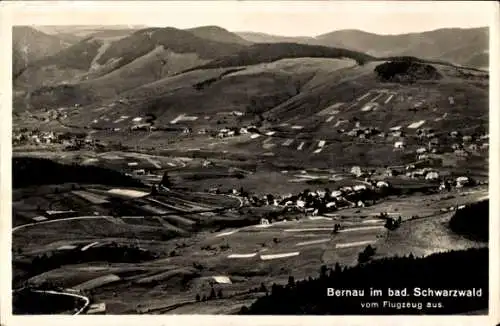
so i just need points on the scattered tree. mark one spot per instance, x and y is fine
(165, 180)
(212, 294)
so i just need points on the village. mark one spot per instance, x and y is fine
(69, 141)
(362, 193)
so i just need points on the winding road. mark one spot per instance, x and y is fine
(74, 295)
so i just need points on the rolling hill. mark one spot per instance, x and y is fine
(148, 54)
(30, 45)
(468, 47)
(301, 100)
(269, 52)
(172, 74)
(161, 63)
(62, 67)
(179, 41)
(454, 44)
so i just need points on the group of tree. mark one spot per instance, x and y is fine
(406, 69)
(29, 302)
(366, 254)
(392, 224)
(55, 259)
(211, 296)
(472, 221)
(309, 296)
(39, 171)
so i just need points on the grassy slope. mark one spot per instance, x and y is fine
(225, 89)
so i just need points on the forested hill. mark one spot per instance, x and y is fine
(450, 270)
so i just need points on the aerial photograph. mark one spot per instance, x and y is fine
(297, 164)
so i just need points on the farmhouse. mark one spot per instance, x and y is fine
(331, 205)
(336, 194)
(461, 153)
(356, 170)
(433, 175)
(467, 138)
(346, 189)
(399, 145)
(421, 150)
(462, 181)
(382, 184)
(97, 309)
(433, 142)
(473, 147)
(359, 188)
(397, 133)
(264, 221)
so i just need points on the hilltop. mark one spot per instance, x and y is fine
(218, 34)
(268, 38)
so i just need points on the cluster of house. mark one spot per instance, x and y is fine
(22, 137)
(362, 132)
(235, 131)
(144, 126)
(37, 137)
(47, 115)
(322, 201)
(462, 147)
(468, 143)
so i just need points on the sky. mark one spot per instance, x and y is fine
(295, 18)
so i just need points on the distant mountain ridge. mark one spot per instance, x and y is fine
(30, 44)
(118, 58)
(468, 47)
